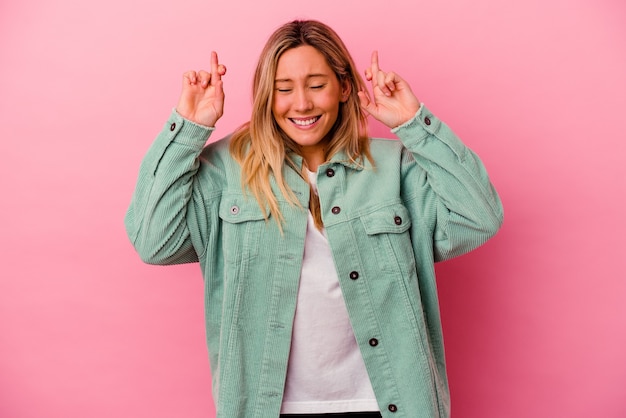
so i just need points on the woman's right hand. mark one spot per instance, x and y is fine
(202, 96)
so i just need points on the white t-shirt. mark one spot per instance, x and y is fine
(326, 372)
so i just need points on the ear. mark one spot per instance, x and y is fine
(346, 89)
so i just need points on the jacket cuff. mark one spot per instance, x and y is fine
(426, 125)
(186, 132)
(420, 126)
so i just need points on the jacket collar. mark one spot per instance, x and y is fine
(340, 157)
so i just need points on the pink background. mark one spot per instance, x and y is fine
(535, 321)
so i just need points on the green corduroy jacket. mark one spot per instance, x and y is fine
(427, 198)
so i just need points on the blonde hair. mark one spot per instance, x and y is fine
(262, 148)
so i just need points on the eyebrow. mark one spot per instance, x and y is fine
(283, 80)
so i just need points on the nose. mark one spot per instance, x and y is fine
(302, 101)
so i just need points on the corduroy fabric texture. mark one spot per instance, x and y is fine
(428, 198)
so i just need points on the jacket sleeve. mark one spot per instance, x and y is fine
(450, 186)
(156, 220)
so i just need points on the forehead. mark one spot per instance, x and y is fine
(302, 62)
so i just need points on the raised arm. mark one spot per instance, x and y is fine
(445, 183)
(157, 220)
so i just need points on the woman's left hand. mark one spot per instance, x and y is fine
(393, 101)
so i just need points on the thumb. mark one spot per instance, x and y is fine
(366, 104)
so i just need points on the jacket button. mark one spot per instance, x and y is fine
(234, 210)
(397, 220)
(373, 342)
(354, 275)
(427, 121)
(330, 172)
(392, 408)
(336, 210)
(172, 126)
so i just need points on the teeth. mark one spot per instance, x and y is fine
(305, 122)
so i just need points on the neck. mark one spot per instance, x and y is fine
(313, 158)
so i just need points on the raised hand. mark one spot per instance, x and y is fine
(202, 96)
(393, 102)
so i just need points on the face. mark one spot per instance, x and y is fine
(306, 100)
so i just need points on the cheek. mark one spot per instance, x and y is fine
(279, 106)
(331, 104)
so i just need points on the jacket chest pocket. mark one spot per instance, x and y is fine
(242, 226)
(388, 231)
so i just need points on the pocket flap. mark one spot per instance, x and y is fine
(392, 219)
(236, 209)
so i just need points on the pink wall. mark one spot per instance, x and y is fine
(535, 321)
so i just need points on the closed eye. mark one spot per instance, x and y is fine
(318, 87)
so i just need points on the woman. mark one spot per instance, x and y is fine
(317, 244)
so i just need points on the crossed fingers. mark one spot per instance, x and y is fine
(205, 78)
(385, 82)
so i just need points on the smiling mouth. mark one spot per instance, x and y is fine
(305, 122)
